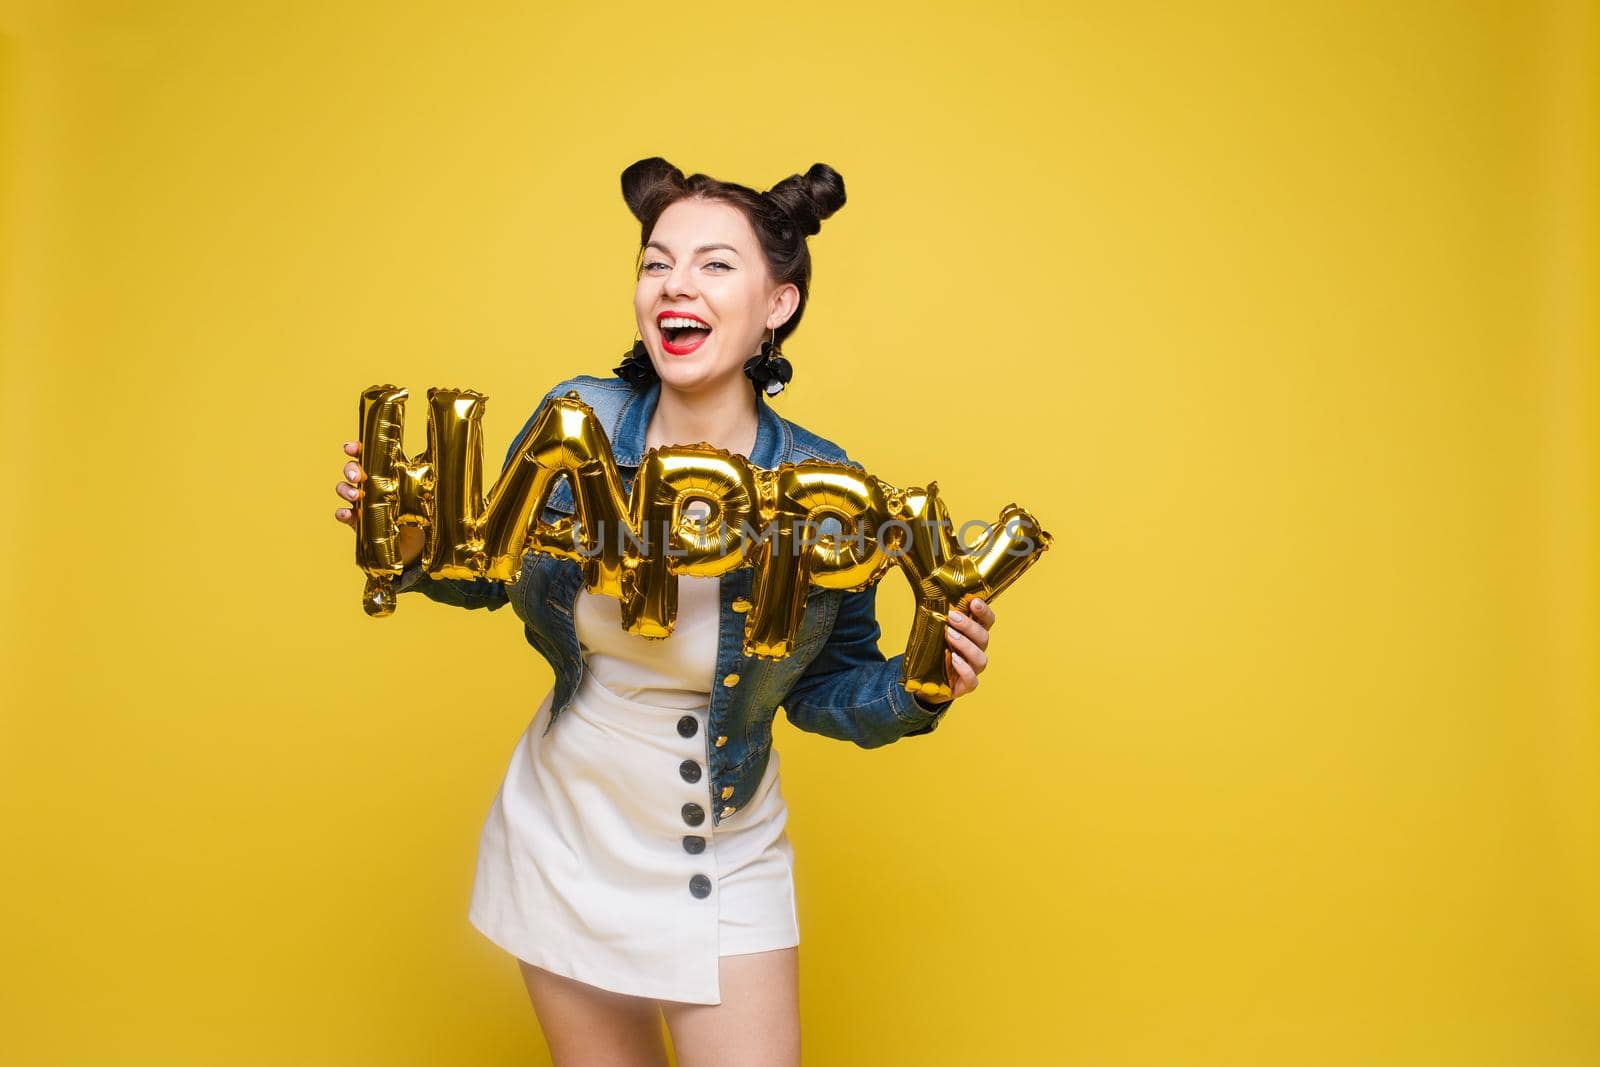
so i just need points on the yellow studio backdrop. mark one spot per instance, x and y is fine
(1282, 318)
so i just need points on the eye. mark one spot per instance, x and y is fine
(654, 263)
(718, 263)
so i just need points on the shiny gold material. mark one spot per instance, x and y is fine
(802, 526)
(378, 512)
(727, 812)
(567, 438)
(722, 739)
(826, 517)
(942, 576)
(727, 791)
(673, 543)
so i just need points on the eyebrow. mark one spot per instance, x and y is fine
(702, 248)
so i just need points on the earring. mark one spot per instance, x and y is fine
(768, 369)
(635, 367)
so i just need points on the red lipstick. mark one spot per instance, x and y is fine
(683, 349)
(682, 315)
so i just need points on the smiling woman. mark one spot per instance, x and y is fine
(635, 860)
(721, 266)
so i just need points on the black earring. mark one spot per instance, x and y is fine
(768, 369)
(635, 367)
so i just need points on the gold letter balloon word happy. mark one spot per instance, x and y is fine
(634, 546)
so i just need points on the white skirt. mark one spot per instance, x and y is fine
(588, 865)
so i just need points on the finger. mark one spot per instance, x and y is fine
(353, 472)
(347, 491)
(966, 648)
(982, 612)
(352, 448)
(967, 678)
(345, 515)
(970, 627)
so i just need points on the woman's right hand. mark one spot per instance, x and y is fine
(349, 489)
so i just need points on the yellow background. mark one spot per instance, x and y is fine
(1281, 317)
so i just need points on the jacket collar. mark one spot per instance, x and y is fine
(773, 439)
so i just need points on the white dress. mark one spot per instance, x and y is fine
(593, 863)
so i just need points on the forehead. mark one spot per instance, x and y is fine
(689, 223)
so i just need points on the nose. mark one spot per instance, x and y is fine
(680, 281)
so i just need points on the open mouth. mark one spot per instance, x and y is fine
(681, 335)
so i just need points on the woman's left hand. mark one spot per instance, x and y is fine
(968, 638)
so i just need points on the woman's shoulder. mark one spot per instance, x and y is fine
(808, 444)
(593, 390)
(608, 396)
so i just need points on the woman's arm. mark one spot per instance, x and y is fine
(457, 592)
(851, 692)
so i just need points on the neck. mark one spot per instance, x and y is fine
(723, 416)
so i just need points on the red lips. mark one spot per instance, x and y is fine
(682, 315)
(683, 349)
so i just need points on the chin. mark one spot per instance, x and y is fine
(687, 373)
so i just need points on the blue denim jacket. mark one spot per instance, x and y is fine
(836, 682)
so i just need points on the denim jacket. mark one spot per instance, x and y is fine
(835, 682)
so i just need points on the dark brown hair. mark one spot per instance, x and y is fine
(782, 217)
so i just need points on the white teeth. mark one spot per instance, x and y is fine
(676, 322)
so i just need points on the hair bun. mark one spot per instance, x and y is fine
(810, 197)
(648, 182)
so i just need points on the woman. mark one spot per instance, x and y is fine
(598, 867)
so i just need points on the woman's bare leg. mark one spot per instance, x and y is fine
(584, 1025)
(756, 1025)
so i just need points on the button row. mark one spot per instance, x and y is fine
(694, 814)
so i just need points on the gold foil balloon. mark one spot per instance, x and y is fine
(455, 441)
(674, 543)
(943, 576)
(798, 553)
(392, 487)
(565, 439)
(831, 525)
